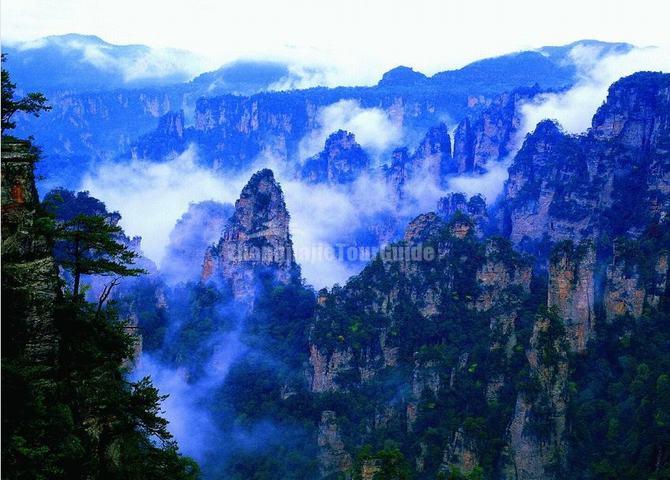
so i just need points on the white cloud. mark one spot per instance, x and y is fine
(489, 184)
(380, 34)
(152, 196)
(575, 108)
(190, 423)
(373, 128)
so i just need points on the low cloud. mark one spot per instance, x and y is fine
(152, 196)
(373, 128)
(575, 108)
(191, 422)
(132, 63)
(489, 184)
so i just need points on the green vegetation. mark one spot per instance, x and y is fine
(32, 103)
(68, 409)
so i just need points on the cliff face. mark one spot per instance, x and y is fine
(341, 161)
(30, 283)
(492, 134)
(255, 241)
(536, 445)
(572, 291)
(439, 286)
(478, 332)
(612, 180)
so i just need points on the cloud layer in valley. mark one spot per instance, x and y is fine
(373, 128)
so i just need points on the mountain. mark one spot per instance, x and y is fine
(117, 122)
(255, 241)
(521, 337)
(242, 77)
(76, 62)
(523, 340)
(341, 161)
(613, 180)
(464, 352)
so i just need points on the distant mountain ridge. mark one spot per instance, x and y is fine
(89, 125)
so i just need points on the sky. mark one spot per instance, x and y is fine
(361, 38)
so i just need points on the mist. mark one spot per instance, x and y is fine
(575, 108)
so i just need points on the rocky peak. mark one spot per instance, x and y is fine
(491, 135)
(401, 76)
(433, 155)
(563, 186)
(637, 111)
(172, 124)
(256, 239)
(423, 227)
(475, 208)
(341, 161)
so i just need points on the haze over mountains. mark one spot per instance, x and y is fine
(461, 275)
(233, 120)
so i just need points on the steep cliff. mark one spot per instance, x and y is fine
(255, 242)
(612, 180)
(341, 161)
(491, 135)
(30, 281)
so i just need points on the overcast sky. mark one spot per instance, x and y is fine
(355, 35)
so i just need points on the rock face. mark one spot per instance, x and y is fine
(572, 291)
(536, 444)
(614, 180)
(255, 242)
(492, 135)
(341, 161)
(30, 284)
(333, 457)
(430, 164)
(627, 290)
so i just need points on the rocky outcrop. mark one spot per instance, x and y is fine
(474, 207)
(332, 456)
(341, 161)
(613, 180)
(572, 291)
(255, 242)
(30, 284)
(536, 435)
(492, 135)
